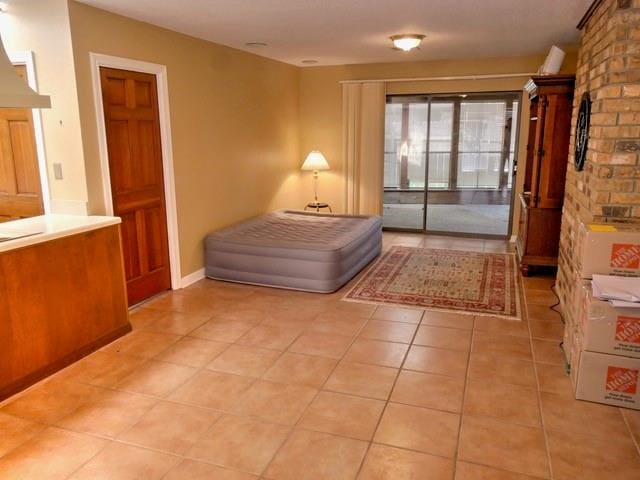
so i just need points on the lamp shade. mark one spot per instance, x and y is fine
(315, 161)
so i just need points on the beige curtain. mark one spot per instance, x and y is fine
(363, 106)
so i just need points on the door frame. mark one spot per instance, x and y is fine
(26, 58)
(98, 60)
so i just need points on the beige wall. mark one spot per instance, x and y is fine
(241, 124)
(42, 27)
(321, 99)
(234, 122)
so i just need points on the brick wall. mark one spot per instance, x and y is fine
(608, 189)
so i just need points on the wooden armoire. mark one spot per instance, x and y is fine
(545, 170)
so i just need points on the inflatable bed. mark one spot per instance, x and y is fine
(292, 249)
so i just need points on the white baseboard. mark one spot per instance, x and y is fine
(192, 278)
(70, 207)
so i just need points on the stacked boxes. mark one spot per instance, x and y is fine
(606, 349)
(602, 345)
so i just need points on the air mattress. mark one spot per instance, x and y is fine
(293, 249)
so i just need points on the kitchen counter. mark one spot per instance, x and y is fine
(34, 230)
(62, 294)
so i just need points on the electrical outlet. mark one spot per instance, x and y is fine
(57, 171)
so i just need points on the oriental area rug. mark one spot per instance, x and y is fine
(475, 283)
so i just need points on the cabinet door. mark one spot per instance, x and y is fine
(552, 157)
(531, 144)
(536, 139)
(20, 191)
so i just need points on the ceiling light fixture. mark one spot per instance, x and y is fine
(256, 44)
(407, 41)
(309, 61)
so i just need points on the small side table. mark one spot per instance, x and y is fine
(318, 206)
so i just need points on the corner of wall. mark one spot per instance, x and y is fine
(43, 27)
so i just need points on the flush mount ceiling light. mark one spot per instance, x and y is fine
(407, 41)
(255, 44)
(309, 62)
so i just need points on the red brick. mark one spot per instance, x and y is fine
(626, 76)
(624, 159)
(617, 63)
(629, 118)
(621, 105)
(604, 119)
(625, 198)
(631, 90)
(623, 131)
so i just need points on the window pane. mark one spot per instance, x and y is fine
(440, 144)
(392, 132)
(480, 146)
(512, 142)
(417, 144)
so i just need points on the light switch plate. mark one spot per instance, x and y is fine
(57, 171)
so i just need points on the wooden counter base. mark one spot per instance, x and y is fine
(59, 301)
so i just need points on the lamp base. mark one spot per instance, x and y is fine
(317, 206)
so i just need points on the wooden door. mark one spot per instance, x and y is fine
(20, 189)
(135, 164)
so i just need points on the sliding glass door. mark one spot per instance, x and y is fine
(449, 163)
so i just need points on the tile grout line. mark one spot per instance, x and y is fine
(112, 440)
(539, 396)
(320, 389)
(393, 386)
(159, 399)
(388, 400)
(464, 398)
(636, 441)
(185, 456)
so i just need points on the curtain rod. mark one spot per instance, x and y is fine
(426, 79)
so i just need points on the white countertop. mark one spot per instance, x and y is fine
(30, 231)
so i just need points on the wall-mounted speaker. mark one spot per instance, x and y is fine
(553, 62)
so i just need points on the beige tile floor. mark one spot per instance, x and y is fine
(222, 381)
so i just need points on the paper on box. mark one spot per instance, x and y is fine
(616, 287)
(608, 329)
(610, 379)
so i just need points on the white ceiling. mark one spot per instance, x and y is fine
(337, 32)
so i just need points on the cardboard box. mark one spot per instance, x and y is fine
(610, 330)
(610, 379)
(609, 249)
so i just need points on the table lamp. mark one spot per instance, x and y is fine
(315, 162)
